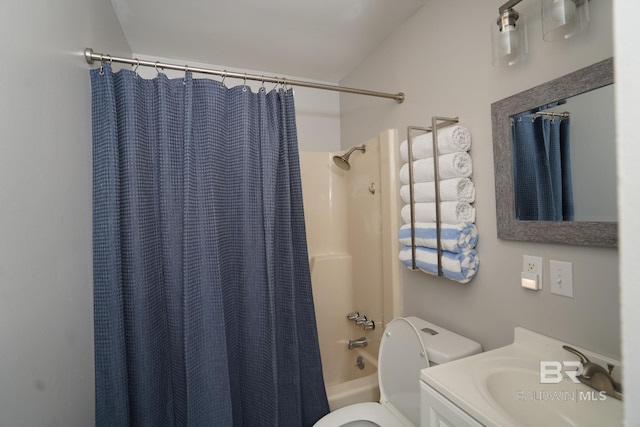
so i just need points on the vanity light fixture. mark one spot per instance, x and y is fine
(561, 19)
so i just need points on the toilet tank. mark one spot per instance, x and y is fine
(441, 344)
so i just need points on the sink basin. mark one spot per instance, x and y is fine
(518, 394)
(503, 387)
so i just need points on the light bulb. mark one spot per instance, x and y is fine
(563, 10)
(508, 42)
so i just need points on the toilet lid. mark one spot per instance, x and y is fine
(402, 356)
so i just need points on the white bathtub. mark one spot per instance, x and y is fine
(347, 384)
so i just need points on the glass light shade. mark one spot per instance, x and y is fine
(562, 19)
(509, 39)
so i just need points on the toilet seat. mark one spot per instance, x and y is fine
(367, 414)
(402, 355)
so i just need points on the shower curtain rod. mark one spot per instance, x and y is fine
(91, 56)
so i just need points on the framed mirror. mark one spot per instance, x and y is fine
(580, 226)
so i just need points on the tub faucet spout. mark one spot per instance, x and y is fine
(360, 342)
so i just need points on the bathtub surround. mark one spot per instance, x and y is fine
(353, 258)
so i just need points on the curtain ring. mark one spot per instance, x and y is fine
(101, 65)
(135, 70)
(244, 84)
(224, 76)
(262, 88)
(186, 71)
(156, 67)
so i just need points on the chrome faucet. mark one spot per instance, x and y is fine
(596, 376)
(360, 342)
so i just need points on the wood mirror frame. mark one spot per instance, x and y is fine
(586, 233)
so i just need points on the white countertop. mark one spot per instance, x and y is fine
(514, 396)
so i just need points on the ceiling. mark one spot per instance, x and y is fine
(315, 39)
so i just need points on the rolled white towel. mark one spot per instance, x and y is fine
(456, 238)
(451, 139)
(453, 165)
(460, 189)
(460, 267)
(450, 212)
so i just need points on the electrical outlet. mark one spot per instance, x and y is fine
(533, 265)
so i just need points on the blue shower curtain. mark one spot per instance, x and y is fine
(203, 307)
(542, 168)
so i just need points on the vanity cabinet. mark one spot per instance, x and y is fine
(437, 411)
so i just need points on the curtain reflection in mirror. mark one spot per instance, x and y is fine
(542, 166)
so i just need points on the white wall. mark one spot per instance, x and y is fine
(441, 59)
(626, 34)
(46, 298)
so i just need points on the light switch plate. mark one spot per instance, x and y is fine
(561, 278)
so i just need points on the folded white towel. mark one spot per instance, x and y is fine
(450, 212)
(460, 267)
(453, 165)
(453, 237)
(456, 189)
(450, 140)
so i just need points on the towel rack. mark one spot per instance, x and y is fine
(436, 123)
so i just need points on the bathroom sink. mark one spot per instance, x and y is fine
(504, 387)
(515, 390)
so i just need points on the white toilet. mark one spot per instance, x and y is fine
(408, 345)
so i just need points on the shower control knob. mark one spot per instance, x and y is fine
(353, 315)
(361, 320)
(368, 326)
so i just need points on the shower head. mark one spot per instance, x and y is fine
(343, 161)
